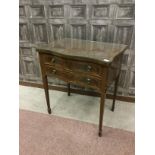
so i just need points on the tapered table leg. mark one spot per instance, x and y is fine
(115, 92)
(68, 85)
(102, 101)
(45, 84)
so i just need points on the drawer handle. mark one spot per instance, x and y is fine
(89, 67)
(53, 60)
(88, 80)
(53, 71)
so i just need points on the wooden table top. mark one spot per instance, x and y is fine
(99, 51)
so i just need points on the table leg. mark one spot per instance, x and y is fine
(45, 84)
(115, 92)
(68, 85)
(102, 101)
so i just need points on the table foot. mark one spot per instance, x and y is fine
(68, 85)
(49, 111)
(100, 133)
(112, 109)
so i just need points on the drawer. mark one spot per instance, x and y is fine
(88, 81)
(84, 67)
(54, 72)
(73, 77)
(53, 60)
(73, 65)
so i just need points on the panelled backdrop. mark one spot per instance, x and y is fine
(42, 21)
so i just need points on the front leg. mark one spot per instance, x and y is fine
(115, 92)
(45, 84)
(68, 86)
(102, 102)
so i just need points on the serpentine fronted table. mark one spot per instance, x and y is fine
(86, 63)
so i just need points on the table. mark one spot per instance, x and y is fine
(86, 63)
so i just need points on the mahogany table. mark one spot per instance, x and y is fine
(86, 63)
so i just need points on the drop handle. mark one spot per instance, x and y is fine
(53, 60)
(89, 67)
(53, 71)
(88, 80)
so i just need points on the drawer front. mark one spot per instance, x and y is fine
(53, 60)
(73, 77)
(88, 81)
(73, 65)
(85, 67)
(54, 72)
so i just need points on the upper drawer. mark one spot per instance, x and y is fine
(74, 65)
(53, 60)
(84, 67)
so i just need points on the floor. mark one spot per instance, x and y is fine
(79, 107)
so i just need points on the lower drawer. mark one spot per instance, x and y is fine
(88, 81)
(73, 77)
(54, 72)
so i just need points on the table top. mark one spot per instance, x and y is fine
(99, 51)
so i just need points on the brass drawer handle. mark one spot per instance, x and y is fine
(53, 60)
(89, 68)
(88, 80)
(53, 71)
